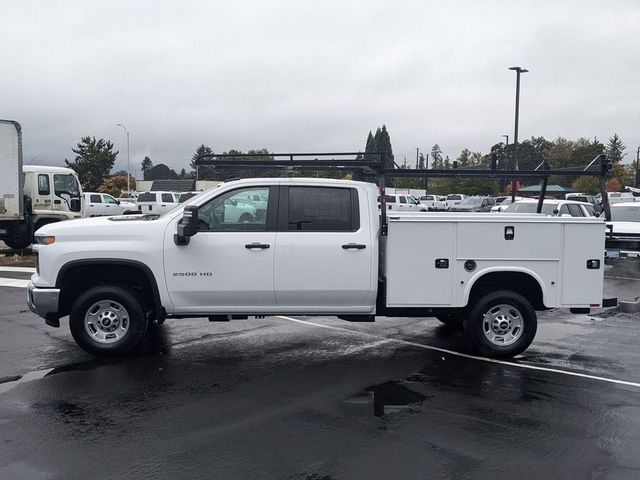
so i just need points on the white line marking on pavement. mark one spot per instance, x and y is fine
(18, 269)
(465, 355)
(13, 282)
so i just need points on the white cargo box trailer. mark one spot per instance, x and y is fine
(11, 180)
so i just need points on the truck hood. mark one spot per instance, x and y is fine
(625, 227)
(99, 227)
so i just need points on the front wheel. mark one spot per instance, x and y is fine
(19, 244)
(501, 324)
(107, 320)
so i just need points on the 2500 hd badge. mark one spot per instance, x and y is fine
(192, 274)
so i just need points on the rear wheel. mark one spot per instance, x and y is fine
(501, 324)
(107, 320)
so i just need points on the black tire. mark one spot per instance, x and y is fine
(451, 320)
(475, 326)
(134, 313)
(20, 244)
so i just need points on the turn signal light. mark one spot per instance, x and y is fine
(45, 240)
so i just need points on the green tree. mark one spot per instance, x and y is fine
(436, 155)
(161, 172)
(422, 163)
(116, 184)
(382, 142)
(146, 165)
(615, 149)
(203, 172)
(94, 160)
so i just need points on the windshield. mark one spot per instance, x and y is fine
(531, 207)
(471, 201)
(625, 214)
(66, 184)
(454, 197)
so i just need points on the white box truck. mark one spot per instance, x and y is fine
(32, 196)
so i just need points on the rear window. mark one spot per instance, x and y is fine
(323, 209)
(147, 197)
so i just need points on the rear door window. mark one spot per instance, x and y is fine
(402, 199)
(321, 209)
(167, 197)
(147, 197)
(575, 210)
(95, 198)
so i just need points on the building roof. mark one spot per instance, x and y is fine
(550, 189)
(173, 185)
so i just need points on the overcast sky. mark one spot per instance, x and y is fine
(314, 76)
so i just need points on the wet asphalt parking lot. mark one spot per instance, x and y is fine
(318, 398)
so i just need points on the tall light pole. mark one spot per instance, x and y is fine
(127, 132)
(518, 71)
(506, 157)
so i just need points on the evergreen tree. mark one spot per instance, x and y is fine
(421, 162)
(382, 142)
(146, 165)
(614, 149)
(202, 172)
(94, 160)
(436, 155)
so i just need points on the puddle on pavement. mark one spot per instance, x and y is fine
(20, 379)
(387, 398)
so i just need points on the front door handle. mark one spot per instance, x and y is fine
(261, 246)
(353, 246)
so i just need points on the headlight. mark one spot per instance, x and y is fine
(44, 239)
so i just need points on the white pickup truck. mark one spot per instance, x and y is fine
(318, 250)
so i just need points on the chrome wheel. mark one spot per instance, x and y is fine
(502, 324)
(106, 321)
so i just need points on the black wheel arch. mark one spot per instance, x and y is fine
(112, 264)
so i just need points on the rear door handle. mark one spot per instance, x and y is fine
(353, 246)
(57, 202)
(261, 246)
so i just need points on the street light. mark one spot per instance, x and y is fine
(127, 132)
(518, 71)
(506, 157)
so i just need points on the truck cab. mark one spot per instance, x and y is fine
(32, 196)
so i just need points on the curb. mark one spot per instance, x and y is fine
(629, 307)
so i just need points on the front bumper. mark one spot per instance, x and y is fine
(44, 302)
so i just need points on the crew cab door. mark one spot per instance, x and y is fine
(227, 266)
(323, 254)
(94, 205)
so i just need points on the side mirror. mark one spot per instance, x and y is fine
(556, 211)
(117, 201)
(188, 226)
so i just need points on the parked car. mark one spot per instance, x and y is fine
(583, 197)
(101, 204)
(156, 202)
(503, 204)
(618, 197)
(434, 203)
(560, 208)
(623, 231)
(403, 203)
(474, 204)
(453, 199)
